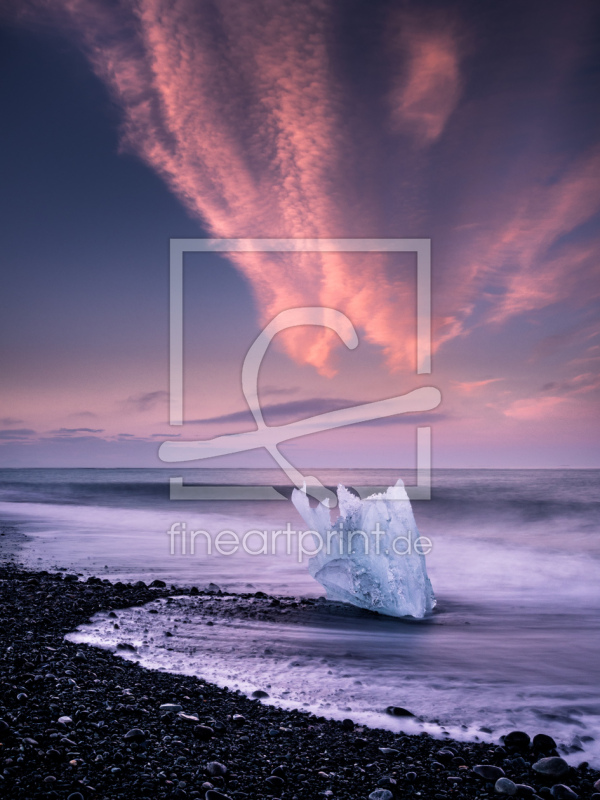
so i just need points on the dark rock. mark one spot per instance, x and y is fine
(274, 782)
(562, 792)
(517, 740)
(203, 733)
(445, 755)
(523, 790)
(551, 767)
(381, 794)
(170, 708)
(135, 735)
(158, 584)
(259, 693)
(213, 794)
(398, 711)
(542, 743)
(506, 786)
(347, 724)
(215, 768)
(488, 772)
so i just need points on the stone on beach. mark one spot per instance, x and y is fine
(551, 767)
(562, 792)
(488, 772)
(506, 786)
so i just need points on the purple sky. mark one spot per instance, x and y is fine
(126, 124)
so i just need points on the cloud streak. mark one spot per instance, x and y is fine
(427, 86)
(247, 113)
(239, 108)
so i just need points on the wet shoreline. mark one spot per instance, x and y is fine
(115, 741)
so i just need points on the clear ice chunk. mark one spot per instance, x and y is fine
(371, 556)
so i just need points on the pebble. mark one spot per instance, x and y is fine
(215, 768)
(517, 740)
(506, 786)
(562, 792)
(172, 708)
(488, 772)
(542, 743)
(135, 735)
(381, 794)
(445, 755)
(203, 733)
(552, 766)
(524, 790)
(398, 711)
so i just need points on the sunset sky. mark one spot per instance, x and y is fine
(125, 124)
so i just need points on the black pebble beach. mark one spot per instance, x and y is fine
(78, 722)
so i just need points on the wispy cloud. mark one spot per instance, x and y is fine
(145, 401)
(16, 433)
(427, 81)
(301, 409)
(534, 408)
(248, 116)
(579, 384)
(470, 387)
(238, 108)
(10, 421)
(279, 390)
(67, 431)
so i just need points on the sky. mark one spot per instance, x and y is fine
(126, 124)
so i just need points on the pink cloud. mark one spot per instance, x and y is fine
(535, 408)
(427, 86)
(240, 110)
(237, 108)
(523, 253)
(470, 387)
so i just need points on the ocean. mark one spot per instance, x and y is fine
(514, 641)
